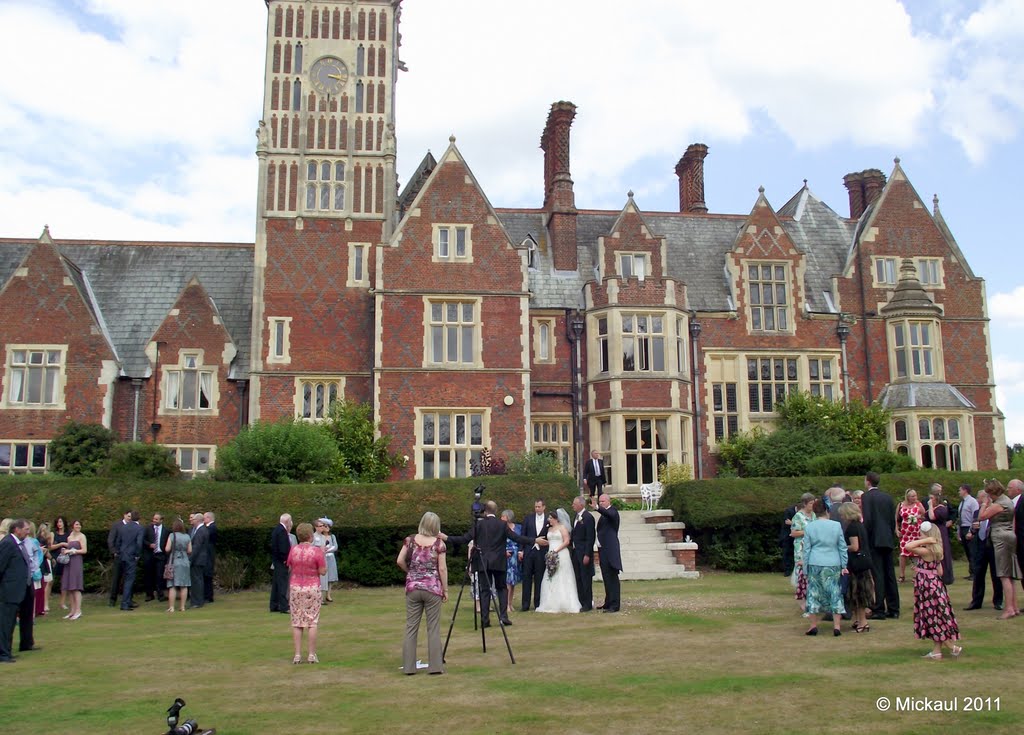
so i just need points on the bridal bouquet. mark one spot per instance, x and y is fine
(551, 562)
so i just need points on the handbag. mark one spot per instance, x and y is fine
(169, 566)
(858, 562)
(63, 558)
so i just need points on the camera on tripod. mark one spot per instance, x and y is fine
(477, 508)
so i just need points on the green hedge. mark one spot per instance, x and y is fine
(370, 520)
(736, 521)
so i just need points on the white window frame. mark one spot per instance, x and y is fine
(17, 380)
(918, 436)
(915, 349)
(452, 243)
(358, 265)
(314, 407)
(885, 271)
(822, 376)
(778, 387)
(760, 311)
(189, 458)
(438, 325)
(553, 434)
(9, 451)
(455, 457)
(279, 343)
(646, 344)
(544, 341)
(930, 272)
(173, 387)
(643, 459)
(328, 182)
(633, 265)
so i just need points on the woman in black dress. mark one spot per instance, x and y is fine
(861, 591)
(57, 544)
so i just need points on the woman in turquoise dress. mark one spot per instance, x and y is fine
(800, 520)
(825, 559)
(513, 573)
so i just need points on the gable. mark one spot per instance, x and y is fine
(194, 323)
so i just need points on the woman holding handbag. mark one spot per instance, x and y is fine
(178, 549)
(860, 593)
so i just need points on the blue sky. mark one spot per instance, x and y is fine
(138, 122)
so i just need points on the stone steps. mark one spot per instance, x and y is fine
(645, 552)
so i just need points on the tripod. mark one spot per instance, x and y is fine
(481, 574)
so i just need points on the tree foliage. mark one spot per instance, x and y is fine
(142, 461)
(364, 457)
(80, 449)
(534, 463)
(288, 451)
(808, 427)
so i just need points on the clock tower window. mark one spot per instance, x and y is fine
(298, 58)
(359, 96)
(297, 95)
(360, 61)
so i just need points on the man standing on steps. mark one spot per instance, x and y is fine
(583, 535)
(593, 473)
(611, 559)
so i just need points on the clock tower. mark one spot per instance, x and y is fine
(326, 198)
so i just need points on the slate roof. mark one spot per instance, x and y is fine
(923, 395)
(135, 285)
(697, 249)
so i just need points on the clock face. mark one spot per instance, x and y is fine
(328, 75)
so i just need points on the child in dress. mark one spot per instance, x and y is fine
(933, 613)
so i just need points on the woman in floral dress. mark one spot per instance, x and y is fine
(933, 613)
(909, 515)
(306, 563)
(513, 573)
(800, 520)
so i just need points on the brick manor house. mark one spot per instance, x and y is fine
(651, 336)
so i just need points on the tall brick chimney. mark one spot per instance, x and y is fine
(690, 171)
(559, 200)
(864, 188)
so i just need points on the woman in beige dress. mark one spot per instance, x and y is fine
(999, 514)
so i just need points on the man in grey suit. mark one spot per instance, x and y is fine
(129, 548)
(199, 559)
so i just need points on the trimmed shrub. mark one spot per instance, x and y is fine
(280, 452)
(81, 450)
(859, 463)
(142, 461)
(785, 453)
(534, 463)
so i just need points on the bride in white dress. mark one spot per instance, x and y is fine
(558, 590)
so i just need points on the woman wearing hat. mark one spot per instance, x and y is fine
(327, 540)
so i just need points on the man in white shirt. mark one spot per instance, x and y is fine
(966, 513)
(593, 474)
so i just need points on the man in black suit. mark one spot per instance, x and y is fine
(985, 561)
(280, 546)
(583, 535)
(611, 558)
(15, 586)
(880, 523)
(199, 559)
(786, 540)
(210, 521)
(129, 549)
(535, 548)
(489, 561)
(153, 558)
(593, 473)
(112, 546)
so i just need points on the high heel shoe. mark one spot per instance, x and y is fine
(297, 659)
(836, 632)
(812, 631)
(313, 659)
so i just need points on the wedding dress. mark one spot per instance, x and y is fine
(558, 591)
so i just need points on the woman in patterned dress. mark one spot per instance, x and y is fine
(803, 516)
(422, 558)
(513, 573)
(306, 563)
(933, 613)
(999, 513)
(825, 559)
(909, 515)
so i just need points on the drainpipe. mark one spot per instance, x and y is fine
(698, 434)
(575, 324)
(843, 332)
(137, 387)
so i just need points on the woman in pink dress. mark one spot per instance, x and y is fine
(909, 515)
(307, 563)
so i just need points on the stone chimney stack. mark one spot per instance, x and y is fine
(864, 188)
(559, 200)
(690, 171)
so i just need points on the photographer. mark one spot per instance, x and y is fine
(488, 560)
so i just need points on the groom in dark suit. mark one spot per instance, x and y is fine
(488, 535)
(880, 523)
(535, 548)
(611, 559)
(583, 535)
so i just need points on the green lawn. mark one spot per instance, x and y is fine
(722, 654)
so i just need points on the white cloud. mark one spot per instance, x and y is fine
(1007, 308)
(1009, 374)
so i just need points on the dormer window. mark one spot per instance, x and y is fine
(633, 265)
(768, 296)
(453, 243)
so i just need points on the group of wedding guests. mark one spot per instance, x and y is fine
(551, 554)
(843, 545)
